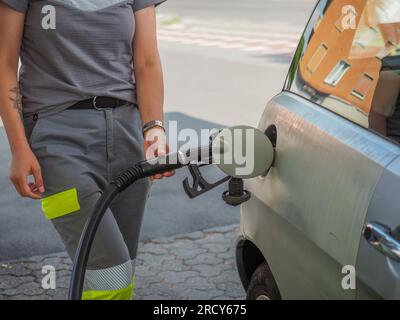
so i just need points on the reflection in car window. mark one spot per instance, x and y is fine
(348, 61)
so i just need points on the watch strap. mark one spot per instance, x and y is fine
(153, 124)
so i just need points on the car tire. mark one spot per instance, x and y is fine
(262, 285)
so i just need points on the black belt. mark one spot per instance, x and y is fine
(98, 103)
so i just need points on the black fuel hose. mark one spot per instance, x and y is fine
(139, 171)
(83, 250)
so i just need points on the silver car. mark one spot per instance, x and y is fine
(323, 223)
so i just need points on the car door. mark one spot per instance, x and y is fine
(337, 161)
(378, 264)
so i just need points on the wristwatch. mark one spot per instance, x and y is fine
(153, 124)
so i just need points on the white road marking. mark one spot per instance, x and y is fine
(272, 43)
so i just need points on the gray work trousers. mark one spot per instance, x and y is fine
(79, 152)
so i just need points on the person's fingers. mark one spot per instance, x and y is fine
(161, 146)
(17, 188)
(169, 174)
(34, 189)
(161, 151)
(25, 190)
(20, 184)
(32, 186)
(164, 175)
(37, 174)
(14, 181)
(31, 194)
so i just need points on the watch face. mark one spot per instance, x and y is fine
(153, 124)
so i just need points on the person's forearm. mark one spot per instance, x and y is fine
(11, 108)
(149, 83)
(150, 91)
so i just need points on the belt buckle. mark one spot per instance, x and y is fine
(94, 104)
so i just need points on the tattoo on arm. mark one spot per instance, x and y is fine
(16, 98)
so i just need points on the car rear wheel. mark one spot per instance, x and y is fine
(262, 285)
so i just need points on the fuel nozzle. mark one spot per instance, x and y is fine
(252, 146)
(236, 195)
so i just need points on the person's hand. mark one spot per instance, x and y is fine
(24, 164)
(155, 145)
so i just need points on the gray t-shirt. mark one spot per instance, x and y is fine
(74, 50)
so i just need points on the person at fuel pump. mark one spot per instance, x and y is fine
(87, 104)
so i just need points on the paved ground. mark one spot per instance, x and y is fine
(197, 265)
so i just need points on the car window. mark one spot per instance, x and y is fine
(348, 61)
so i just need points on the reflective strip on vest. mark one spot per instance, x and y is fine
(60, 204)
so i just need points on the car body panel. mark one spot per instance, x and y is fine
(379, 275)
(302, 218)
(300, 269)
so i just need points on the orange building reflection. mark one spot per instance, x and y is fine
(343, 60)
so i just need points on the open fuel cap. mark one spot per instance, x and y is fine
(242, 152)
